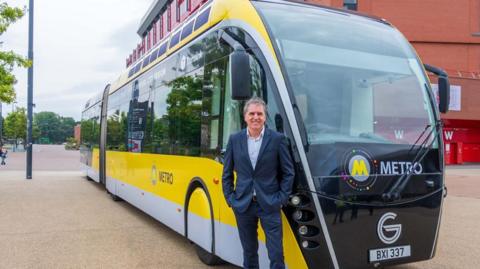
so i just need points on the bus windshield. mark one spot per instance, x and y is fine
(354, 79)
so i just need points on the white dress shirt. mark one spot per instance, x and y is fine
(254, 145)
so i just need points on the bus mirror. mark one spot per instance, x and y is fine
(240, 74)
(443, 94)
(443, 87)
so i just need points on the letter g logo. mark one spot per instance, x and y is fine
(382, 228)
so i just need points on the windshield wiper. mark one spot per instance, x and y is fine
(395, 191)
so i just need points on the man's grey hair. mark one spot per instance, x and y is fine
(255, 101)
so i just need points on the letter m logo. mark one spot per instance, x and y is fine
(359, 168)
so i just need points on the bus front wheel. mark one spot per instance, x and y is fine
(207, 257)
(200, 224)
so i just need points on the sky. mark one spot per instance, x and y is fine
(79, 47)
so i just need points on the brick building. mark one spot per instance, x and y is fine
(446, 34)
(76, 133)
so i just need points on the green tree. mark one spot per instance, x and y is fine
(15, 125)
(48, 123)
(66, 128)
(52, 128)
(184, 114)
(9, 59)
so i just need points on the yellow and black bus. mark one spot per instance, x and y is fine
(348, 91)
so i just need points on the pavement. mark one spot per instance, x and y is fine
(60, 220)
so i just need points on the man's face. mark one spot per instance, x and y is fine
(255, 117)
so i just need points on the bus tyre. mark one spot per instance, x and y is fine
(207, 257)
(115, 197)
(200, 230)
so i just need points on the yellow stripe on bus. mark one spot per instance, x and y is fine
(169, 176)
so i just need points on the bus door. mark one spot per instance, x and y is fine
(103, 134)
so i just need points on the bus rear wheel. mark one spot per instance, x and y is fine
(115, 197)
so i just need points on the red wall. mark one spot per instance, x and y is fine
(429, 20)
(462, 142)
(331, 3)
(76, 131)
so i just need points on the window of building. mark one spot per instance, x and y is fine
(154, 32)
(169, 19)
(161, 27)
(177, 7)
(149, 40)
(350, 4)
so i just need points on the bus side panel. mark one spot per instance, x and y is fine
(89, 163)
(95, 168)
(157, 184)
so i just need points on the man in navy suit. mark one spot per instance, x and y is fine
(264, 171)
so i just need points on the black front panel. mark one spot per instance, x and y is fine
(351, 180)
(354, 230)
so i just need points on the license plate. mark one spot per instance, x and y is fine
(382, 254)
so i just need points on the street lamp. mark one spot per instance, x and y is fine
(30, 92)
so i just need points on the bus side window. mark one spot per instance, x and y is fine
(211, 109)
(233, 111)
(262, 87)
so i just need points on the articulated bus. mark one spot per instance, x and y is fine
(348, 91)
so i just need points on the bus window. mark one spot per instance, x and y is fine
(117, 119)
(233, 115)
(137, 120)
(176, 115)
(184, 113)
(263, 88)
(116, 125)
(212, 96)
(160, 138)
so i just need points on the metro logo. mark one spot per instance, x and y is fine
(399, 168)
(359, 168)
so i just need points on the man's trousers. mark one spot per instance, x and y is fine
(271, 222)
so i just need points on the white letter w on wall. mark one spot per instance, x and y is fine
(399, 134)
(448, 135)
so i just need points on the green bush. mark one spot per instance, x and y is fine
(71, 144)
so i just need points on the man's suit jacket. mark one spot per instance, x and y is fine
(272, 177)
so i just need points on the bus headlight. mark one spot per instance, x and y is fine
(298, 215)
(295, 200)
(309, 244)
(303, 230)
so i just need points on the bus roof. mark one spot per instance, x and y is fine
(339, 10)
(197, 23)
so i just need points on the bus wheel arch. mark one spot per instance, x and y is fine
(198, 194)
